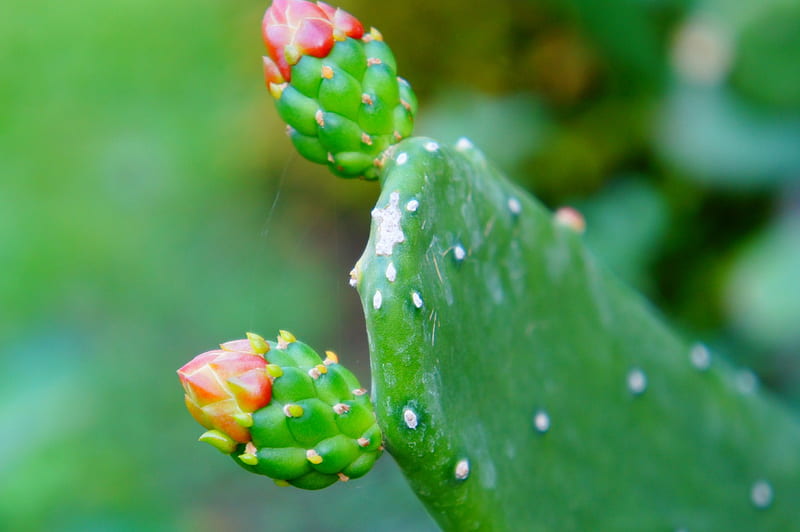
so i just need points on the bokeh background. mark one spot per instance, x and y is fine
(151, 206)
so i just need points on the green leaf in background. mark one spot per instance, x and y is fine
(627, 224)
(763, 291)
(769, 52)
(717, 139)
(518, 123)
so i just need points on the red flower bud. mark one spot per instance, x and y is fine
(344, 24)
(294, 28)
(223, 386)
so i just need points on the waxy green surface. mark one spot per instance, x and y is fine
(522, 387)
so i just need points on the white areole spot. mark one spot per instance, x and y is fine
(541, 421)
(353, 278)
(761, 494)
(459, 253)
(462, 469)
(410, 418)
(412, 206)
(514, 206)
(431, 146)
(377, 300)
(416, 299)
(700, 357)
(389, 230)
(463, 144)
(637, 381)
(402, 159)
(391, 272)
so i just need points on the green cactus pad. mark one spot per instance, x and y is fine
(346, 109)
(522, 387)
(319, 427)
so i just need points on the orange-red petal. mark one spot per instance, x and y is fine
(196, 363)
(277, 11)
(204, 387)
(253, 390)
(230, 364)
(222, 415)
(314, 37)
(272, 74)
(243, 345)
(298, 10)
(347, 24)
(197, 413)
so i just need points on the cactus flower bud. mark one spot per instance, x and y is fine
(335, 86)
(223, 387)
(295, 418)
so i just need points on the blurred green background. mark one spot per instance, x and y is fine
(151, 206)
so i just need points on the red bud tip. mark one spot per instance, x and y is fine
(272, 74)
(221, 385)
(294, 28)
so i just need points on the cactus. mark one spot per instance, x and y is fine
(518, 384)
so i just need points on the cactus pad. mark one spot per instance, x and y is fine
(522, 387)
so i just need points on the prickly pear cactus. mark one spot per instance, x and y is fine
(281, 411)
(518, 385)
(521, 387)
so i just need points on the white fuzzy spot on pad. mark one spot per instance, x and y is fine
(389, 230)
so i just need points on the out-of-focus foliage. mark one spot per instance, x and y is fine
(150, 205)
(140, 223)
